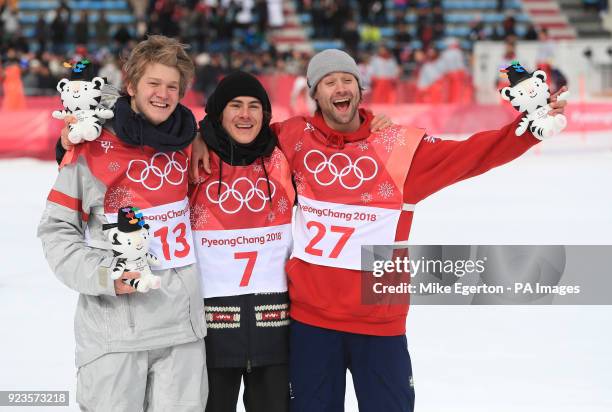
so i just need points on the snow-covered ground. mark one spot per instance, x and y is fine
(465, 358)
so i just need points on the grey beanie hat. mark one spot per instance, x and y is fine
(329, 61)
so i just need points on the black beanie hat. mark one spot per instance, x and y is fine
(236, 84)
(516, 73)
(216, 137)
(82, 70)
(129, 219)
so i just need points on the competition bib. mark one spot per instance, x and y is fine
(237, 262)
(331, 234)
(170, 230)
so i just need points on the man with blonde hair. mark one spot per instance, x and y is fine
(134, 351)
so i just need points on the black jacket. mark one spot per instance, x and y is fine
(247, 331)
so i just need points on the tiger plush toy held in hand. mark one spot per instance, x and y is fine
(81, 98)
(528, 93)
(130, 243)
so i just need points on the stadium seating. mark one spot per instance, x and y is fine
(117, 13)
(28, 5)
(458, 14)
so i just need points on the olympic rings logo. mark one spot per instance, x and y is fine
(242, 199)
(339, 173)
(162, 174)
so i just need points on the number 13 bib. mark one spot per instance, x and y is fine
(156, 183)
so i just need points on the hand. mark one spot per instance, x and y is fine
(66, 143)
(558, 107)
(121, 288)
(199, 155)
(380, 122)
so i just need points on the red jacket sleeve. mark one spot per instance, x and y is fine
(277, 130)
(288, 132)
(437, 164)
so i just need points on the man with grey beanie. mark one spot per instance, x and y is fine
(360, 187)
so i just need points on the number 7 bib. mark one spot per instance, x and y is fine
(243, 261)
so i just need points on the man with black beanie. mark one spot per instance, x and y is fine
(241, 220)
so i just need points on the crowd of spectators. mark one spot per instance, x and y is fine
(340, 19)
(359, 28)
(214, 26)
(55, 41)
(595, 5)
(229, 34)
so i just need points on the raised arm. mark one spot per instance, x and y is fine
(440, 163)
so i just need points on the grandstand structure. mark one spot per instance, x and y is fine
(458, 14)
(588, 24)
(293, 35)
(568, 24)
(548, 14)
(564, 19)
(117, 13)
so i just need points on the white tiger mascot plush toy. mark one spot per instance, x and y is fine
(528, 93)
(81, 99)
(129, 238)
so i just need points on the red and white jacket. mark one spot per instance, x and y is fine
(361, 189)
(97, 178)
(155, 182)
(241, 221)
(242, 226)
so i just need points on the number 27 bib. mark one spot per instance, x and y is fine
(331, 234)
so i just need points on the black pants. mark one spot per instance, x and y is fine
(266, 389)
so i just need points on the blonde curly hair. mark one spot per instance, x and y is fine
(163, 50)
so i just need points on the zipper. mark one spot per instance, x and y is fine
(130, 315)
(198, 325)
(248, 320)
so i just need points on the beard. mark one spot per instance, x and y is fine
(332, 112)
